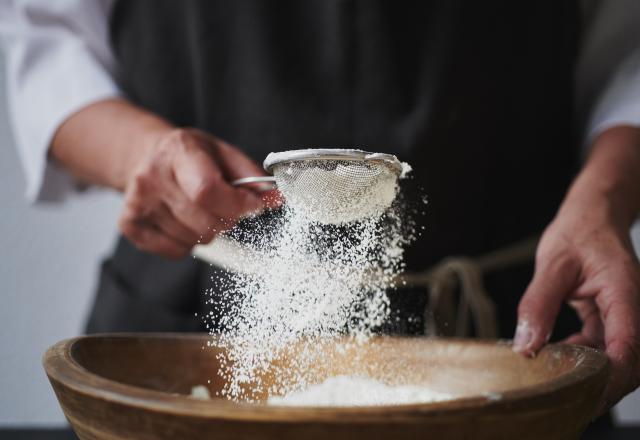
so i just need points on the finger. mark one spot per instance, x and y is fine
(203, 222)
(578, 339)
(621, 316)
(590, 336)
(272, 199)
(209, 225)
(165, 221)
(592, 332)
(234, 163)
(202, 181)
(538, 309)
(147, 238)
(163, 203)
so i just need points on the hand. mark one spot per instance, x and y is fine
(585, 257)
(179, 194)
(176, 181)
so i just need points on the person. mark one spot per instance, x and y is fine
(169, 102)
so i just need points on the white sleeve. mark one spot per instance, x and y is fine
(619, 103)
(608, 70)
(57, 59)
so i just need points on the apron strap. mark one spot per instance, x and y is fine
(465, 275)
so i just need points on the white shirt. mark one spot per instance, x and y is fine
(58, 60)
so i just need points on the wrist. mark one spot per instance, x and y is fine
(142, 148)
(104, 142)
(608, 187)
(598, 206)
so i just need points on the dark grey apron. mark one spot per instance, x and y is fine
(476, 95)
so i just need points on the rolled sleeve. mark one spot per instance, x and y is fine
(608, 68)
(619, 103)
(57, 62)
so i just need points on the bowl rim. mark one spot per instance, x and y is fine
(61, 367)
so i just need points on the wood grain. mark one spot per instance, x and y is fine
(136, 386)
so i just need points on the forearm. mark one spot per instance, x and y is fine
(103, 142)
(609, 184)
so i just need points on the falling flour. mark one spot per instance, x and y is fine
(311, 284)
(358, 391)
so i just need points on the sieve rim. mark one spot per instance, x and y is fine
(355, 155)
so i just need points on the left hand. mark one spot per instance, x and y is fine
(585, 257)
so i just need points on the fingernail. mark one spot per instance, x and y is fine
(523, 337)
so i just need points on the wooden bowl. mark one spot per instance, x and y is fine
(136, 386)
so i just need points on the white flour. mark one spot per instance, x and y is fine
(358, 391)
(200, 392)
(318, 283)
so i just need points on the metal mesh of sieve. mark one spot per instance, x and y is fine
(337, 189)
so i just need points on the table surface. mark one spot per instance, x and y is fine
(627, 433)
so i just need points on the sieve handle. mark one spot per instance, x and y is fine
(257, 179)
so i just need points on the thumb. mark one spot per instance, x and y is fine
(233, 163)
(541, 302)
(236, 164)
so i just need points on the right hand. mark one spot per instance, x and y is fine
(179, 194)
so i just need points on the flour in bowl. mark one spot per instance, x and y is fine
(358, 391)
